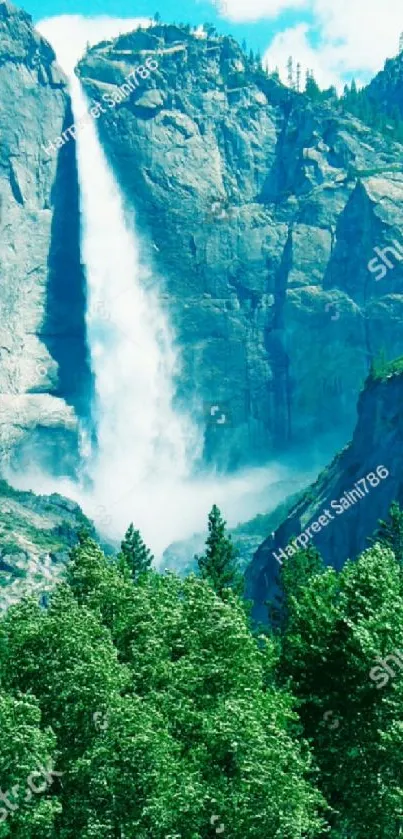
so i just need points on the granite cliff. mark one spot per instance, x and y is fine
(36, 535)
(44, 379)
(377, 442)
(260, 210)
(263, 209)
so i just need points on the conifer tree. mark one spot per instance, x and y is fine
(219, 564)
(290, 72)
(134, 554)
(298, 79)
(312, 88)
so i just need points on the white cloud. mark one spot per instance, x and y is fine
(295, 42)
(69, 34)
(251, 10)
(345, 37)
(362, 32)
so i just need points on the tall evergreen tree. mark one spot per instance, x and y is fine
(298, 78)
(312, 88)
(219, 564)
(134, 553)
(290, 72)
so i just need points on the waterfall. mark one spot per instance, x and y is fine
(141, 467)
(143, 444)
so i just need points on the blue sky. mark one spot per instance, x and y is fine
(257, 34)
(338, 39)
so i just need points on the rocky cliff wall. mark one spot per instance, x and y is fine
(44, 381)
(262, 210)
(352, 494)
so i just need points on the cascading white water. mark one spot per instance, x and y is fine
(141, 468)
(132, 354)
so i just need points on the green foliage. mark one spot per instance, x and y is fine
(337, 626)
(219, 564)
(161, 708)
(359, 103)
(381, 368)
(134, 554)
(265, 523)
(25, 747)
(390, 532)
(312, 88)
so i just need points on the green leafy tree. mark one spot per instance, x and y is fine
(134, 553)
(162, 706)
(28, 756)
(390, 532)
(295, 575)
(219, 563)
(339, 630)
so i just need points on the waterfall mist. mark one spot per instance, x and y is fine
(142, 465)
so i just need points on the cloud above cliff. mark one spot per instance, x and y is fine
(69, 34)
(241, 10)
(335, 39)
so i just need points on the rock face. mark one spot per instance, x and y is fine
(36, 534)
(263, 210)
(377, 442)
(44, 381)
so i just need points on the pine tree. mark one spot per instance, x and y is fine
(219, 564)
(290, 73)
(312, 89)
(298, 81)
(134, 554)
(390, 532)
(353, 91)
(401, 43)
